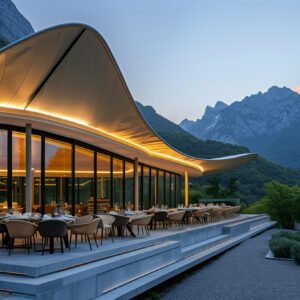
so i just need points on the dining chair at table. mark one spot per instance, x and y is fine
(50, 229)
(17, 229)
(200, 216)
(176, 217)
(106, 225)
(3, 231)
(160, 217)
(84, 219)
(85, 229)
(143, 222)
(122, 225)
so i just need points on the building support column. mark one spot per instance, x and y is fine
(136, 183)
(29, 179)
(186, 189)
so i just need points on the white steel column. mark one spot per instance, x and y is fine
(136, 183)
(186, 189)
(29, 180)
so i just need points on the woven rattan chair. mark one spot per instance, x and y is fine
(142, 222)
(106, 225)
(18, 229)
(84, 219)
(3, 231)
(160, 217)
(215, 214)
(121, 222)
(176, 217)
(85, 229)
(200, 216)
(50, 229)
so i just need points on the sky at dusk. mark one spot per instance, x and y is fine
(180, 56)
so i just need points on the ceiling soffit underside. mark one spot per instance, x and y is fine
(69, 72)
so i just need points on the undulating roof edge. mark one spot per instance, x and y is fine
(69, 72)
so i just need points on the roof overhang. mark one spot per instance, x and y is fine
(65, 80)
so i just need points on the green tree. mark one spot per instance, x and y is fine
(214, 188)
(233, 187)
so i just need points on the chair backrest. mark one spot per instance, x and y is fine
(53, 228)
(160, 216)
(20, 229)
(2, 228)
(86, 228)
(200, 212)
(120, 220)
(106, 219)
(142, 220)
(84, 219)
(178, 215)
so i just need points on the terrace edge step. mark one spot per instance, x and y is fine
(145, 283)
(201, 246)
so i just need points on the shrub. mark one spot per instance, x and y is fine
(281, 246)
(287, 234)
(295, 253)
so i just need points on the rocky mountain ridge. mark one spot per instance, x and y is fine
(13, 25)
(260, 122)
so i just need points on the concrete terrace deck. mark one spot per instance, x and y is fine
(122, 269)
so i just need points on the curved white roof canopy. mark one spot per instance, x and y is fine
(65, 80)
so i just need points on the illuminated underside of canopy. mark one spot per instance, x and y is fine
(65, 80)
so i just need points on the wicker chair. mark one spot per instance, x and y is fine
(3, 231)
(85, 229)
(142, 222)
(121, 223)
(176, 218)
(18, 229)
(105, 224)
(200, 216)
(51, 229)
(160, 217)
(215, 214)
(84, 219)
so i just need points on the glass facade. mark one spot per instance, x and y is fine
(84, 181)
(3, 170)
(103, 182)
(129, 185)
(145, 188)
(58, 175)
(76, 177)
(118, 173)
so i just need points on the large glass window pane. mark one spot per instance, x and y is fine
(3, 169)
(36, 172)
(167, 190)
(172, 195)
(160, 190)
(18, 171)
(58, 175)
(146, 188)
(129, 185)
(84, 178)
(153, 187)
(118, 183)
(103, 183)
(179, 199)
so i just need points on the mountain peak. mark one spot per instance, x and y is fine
(280, 91)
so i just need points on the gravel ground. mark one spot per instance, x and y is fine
(241, 273)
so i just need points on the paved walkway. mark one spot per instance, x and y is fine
(241, 273)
